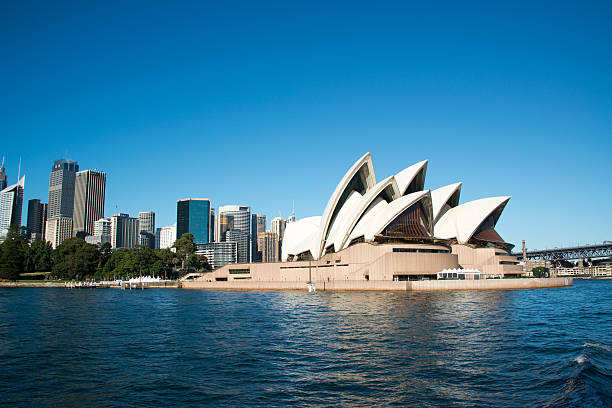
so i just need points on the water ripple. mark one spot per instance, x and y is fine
(550, 347)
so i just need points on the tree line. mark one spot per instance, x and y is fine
(75, 259)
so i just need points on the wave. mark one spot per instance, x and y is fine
(588, 382)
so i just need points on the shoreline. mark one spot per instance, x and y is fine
(433, 285)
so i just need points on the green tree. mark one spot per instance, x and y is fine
(540, 272)
(75, 259)
(184, 247)
(40, 256)
(105, 254)
(12, 260)
(168, 259)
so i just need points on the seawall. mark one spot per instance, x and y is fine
(520, 283)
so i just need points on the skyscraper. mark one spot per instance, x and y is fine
(37, 220)
(193, 216)
(278, 225)
(269, 246)
(58, 230)
(146, 226)
(11, 203)
(90, 188)
(2, 176)
(240, 221)
(101, 232)
(258, 225)
(166, 236)
(218, 253)
(213, 220)
(61, 188)
(124, 231)
(242, 241)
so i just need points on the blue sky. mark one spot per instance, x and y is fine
(262, 103)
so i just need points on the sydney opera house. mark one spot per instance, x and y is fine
(386, 231)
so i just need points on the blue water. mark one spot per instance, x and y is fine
(104, 347)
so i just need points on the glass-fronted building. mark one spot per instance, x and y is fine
(193, 216)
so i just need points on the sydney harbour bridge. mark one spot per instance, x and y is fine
(603, 250)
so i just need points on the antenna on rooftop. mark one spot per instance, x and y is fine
(18, 170)
(293, 208)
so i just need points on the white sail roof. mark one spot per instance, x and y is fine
(406, 176)
(381, 215)
(343, 226)
(360, 175)
(462, 221)
(442, 195)
(299, 235)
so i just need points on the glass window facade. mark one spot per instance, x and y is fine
(193, 216)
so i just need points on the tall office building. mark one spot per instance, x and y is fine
(277, 225)
(258, 225)
(218, 253)
(269, 246)
(89, 191)
(11, 204)
(61, 188)
(58, 230)
(240, 222)
(242, 240)
(193, 216)
(101, 232)
(146, 225)
(213, 220)
(124, 231)
(166, 236)
(37, 220)
(3, 178)
(223, 223)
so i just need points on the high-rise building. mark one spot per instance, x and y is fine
(193, 216)
(242, 240)
(3, 178)
(61, 188)
(11, 204)
(124, 231)
(268, 244)
(167, 236)
(241, 222)
(223, 223)
(89, 191)
(37, 220)
(213, 219)
(219, 253)
(146, 224)
(103, 227)
(58, 230)
(258, 225)
(101, 232)
(277, 225)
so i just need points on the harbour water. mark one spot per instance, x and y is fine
(172, 347)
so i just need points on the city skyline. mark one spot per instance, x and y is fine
(522, 111)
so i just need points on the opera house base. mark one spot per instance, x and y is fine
(373, 266)
(518, 283)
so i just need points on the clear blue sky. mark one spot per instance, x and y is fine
(260, 103)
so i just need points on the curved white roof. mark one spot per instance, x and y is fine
(440, 196)
(462, 221)
(363, 169)
(382, 214)
(405, 177)
(345, 226)
(353, 202)
(299, 235)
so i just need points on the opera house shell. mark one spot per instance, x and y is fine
(388, 230)
(394, 209)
